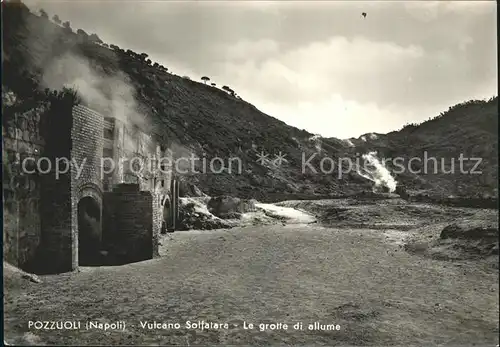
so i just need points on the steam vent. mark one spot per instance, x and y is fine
(97, 212)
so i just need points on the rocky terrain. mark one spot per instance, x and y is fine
(386, 271)
(438, 232)
(225, 212)
(197, 118)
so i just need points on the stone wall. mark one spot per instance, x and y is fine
(41, 209)
(40, 205)
(87, 150)
(131, 233)
(471, 202)
(129, 147)
(55, 251)
(157, 221)
(23, 136)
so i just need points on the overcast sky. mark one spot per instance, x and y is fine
(320, 66)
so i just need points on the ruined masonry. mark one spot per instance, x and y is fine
(54, 223)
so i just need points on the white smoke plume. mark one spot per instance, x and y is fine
(376, 172)
(316, 139)
(112, 94)
(108, 92)
(349, 143)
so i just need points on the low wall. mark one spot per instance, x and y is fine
(131, 224)
(490, 203)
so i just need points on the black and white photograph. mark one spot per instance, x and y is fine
(250, 173)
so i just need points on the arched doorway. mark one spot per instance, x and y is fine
(89, 232)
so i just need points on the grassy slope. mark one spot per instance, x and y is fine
(194, 117)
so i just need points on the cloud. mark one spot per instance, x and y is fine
(436, 8)
(306, 62)
(244, 49)
(112, 94)
(345, 87)
(336, 117)
(321, 69)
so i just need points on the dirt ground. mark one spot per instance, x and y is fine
(359, 279)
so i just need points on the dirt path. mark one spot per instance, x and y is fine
(375, 292)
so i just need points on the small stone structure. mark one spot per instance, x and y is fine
(54, 220)
(132, 224)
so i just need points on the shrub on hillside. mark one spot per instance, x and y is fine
(43, 14)
(56, 19)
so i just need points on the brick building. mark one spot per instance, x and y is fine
(55, 220)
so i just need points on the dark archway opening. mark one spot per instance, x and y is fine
(166, 222)
(89, 232)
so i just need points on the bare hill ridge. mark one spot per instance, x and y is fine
(207, 121)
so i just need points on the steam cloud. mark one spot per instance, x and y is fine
(378, 173)
(349, 143)
(110, 93)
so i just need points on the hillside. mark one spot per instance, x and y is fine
(194, 117)
(469, 128)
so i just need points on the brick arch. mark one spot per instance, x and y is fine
(95, 192)
(89, 189)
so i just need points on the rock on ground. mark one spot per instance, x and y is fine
(224, 204)
(193, 214)
(14, 274)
